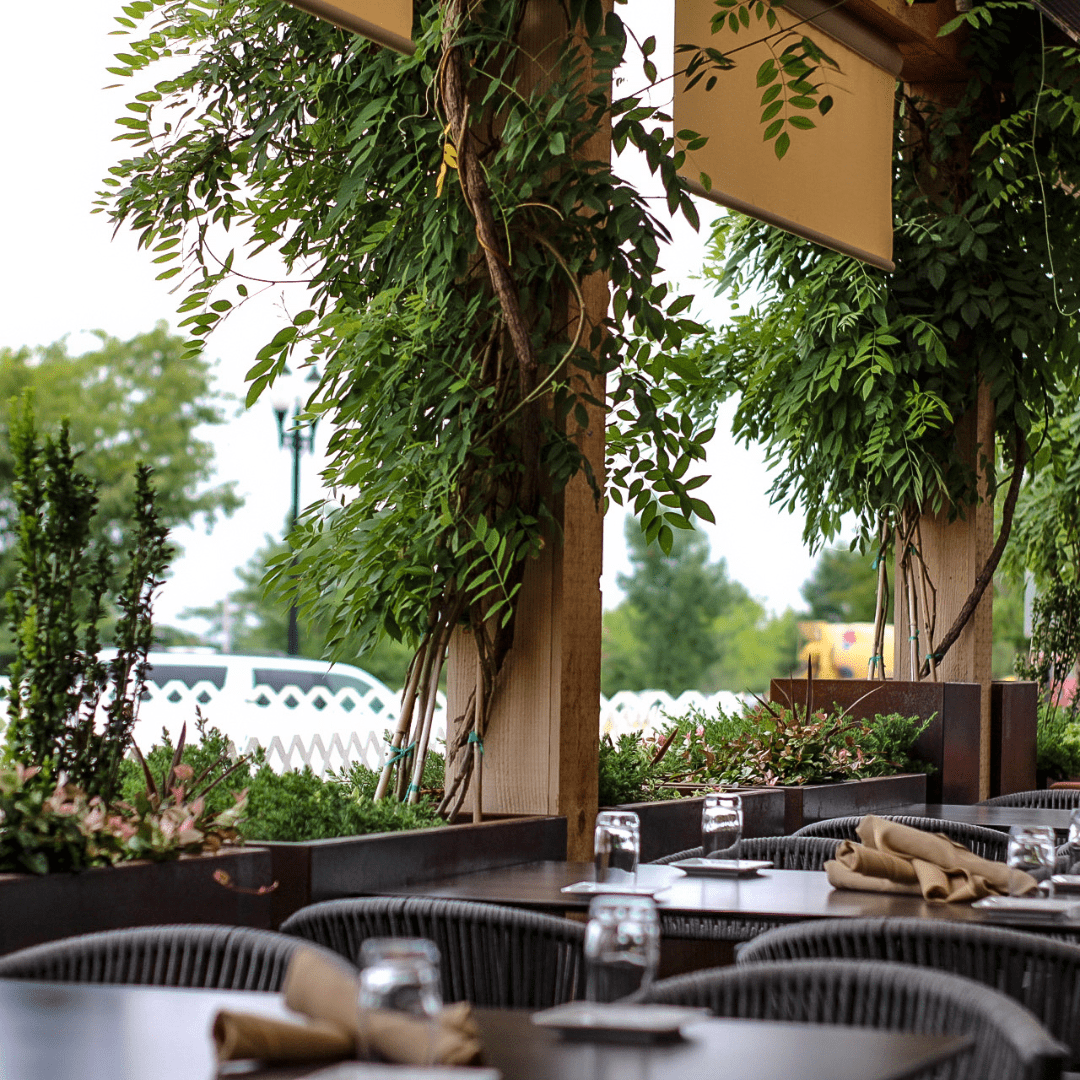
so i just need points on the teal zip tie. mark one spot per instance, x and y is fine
(410, 789)
(873, 658)
(474, 738)
(397, 755)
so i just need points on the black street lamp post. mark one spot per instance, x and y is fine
(298, 438)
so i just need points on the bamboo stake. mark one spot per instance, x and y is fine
(408, 700)
(877, 656)
(913, 622)
(424, 728)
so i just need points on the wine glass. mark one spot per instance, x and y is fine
(622, 946)
(616, 845)
(721, 826)
(1031, 849)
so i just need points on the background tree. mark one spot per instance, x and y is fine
(685, 625)
(842, 587)
(126, 402)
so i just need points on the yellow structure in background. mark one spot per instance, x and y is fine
(842, 650)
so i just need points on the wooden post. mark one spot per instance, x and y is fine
(541, 749)
(955, 552)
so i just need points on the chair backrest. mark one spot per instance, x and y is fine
(986, 843)
(1052, 799)
(1010, 1044)
(491, 955)
(785, 852)
(214, 957)
(1041, 974)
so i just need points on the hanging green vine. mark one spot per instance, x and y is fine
(447, 216)
(855, 380)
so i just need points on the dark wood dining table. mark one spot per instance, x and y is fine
(55, 1030)
(770, 896)
(1002, 818)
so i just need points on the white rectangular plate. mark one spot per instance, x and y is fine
(626, 1023)
(372, 1070)
(615, 888)
(1023, 907)
(722, 867)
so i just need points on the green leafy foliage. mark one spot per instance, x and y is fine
(853, 379)
(628, 772)
(769, 745)
(46, 828)
(1055, 641)
(1057, 742)
(57, 679)
(285, 806)
(259, 622)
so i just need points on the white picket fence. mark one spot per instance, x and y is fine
(328, 731)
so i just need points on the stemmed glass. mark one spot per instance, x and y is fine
(721, 826)
(616, 845)
(622, 946)
(1031, 849)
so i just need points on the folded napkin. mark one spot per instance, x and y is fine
(326, 992)
(899, 859)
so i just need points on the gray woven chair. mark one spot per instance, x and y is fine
(1052, 799)
(785, 852)
(213, 957)
(1041, 974)
(491, 955)
(987, 843)
(1010, 1044)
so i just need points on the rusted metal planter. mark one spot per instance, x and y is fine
(316, 870)
(950, 743)
(675, 824)
(1014, 712)
(35, 909)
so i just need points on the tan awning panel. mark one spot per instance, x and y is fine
(389, 22)
(834, 185)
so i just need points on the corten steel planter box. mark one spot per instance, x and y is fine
(315, 870)
(852, 798)
(1013, 730)
(950, 743)
(671, 825)
(35, 909)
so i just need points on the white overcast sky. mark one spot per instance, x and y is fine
(62, 273)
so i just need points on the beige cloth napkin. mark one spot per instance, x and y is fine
(899, 859)
(326, 992)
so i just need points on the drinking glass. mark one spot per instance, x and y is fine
(401, 974)
(721, 826)
(622, 946)
(617, 845)
(1074, 842)
(1031, 849)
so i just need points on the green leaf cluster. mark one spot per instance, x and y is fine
(856, 380)
(337, 154)
(56, 606)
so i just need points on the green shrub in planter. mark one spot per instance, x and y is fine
(294, 805)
